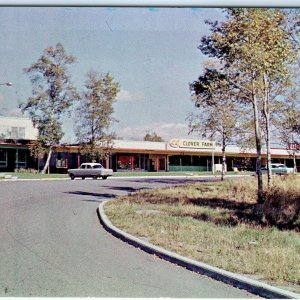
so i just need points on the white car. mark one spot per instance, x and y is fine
(278, 169)
(93, 170)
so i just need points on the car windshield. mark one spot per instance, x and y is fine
(278, 166)
(97, 166)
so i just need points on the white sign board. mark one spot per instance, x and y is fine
(192, 144)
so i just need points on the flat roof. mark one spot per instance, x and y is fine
(165, 147)
(126, 146)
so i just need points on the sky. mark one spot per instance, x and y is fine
(152, 53)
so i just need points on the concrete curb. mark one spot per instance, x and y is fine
(178, 176)
(32, 179)
(252, 286)
(16, 178)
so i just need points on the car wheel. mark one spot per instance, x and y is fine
(104, 177)
(72, 176)
(95, 177)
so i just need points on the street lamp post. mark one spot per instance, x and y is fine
(7, 84)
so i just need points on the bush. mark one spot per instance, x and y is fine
(237, 199)
(282, 205)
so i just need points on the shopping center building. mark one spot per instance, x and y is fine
(16, 134)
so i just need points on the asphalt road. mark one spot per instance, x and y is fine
(52, 244)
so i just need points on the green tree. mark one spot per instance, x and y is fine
(94, 115)
(217, 120)
(52, 95)
(287, 120)
(254, 45)
(153, 137)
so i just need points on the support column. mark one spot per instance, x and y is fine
(166, 163)
(67, 160)
(17, 159)
(78, 160)
(140, 162)
(213, 161)
(132, 163)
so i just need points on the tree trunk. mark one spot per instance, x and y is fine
(223, 158)
(266, 111)
(260, 192)
(46, 167)
(294, 161)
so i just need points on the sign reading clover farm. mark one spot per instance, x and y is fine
(193, 144)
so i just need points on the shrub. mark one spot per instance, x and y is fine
(282, 205)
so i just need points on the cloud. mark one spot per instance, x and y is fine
(165, 130)
(128, 96)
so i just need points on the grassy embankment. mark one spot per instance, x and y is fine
(221, 224)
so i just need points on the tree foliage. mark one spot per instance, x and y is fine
(286, 122)
(94, 115)
(217, 120)
(152, 137)
(255, 49)
(52, 95)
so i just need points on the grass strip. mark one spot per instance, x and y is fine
(23, 175)
(28, 175)
(211, 223)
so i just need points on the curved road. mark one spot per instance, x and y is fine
(52, 244)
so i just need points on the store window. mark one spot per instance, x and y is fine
(189, 163)
(124, 162)
(181, 160)
(131, 162)
(3, 158)
(21, 159)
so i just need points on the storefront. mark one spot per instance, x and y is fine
(16, 134)
(15, 156)
(141, 156)
(187, 155)
(138, 156)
